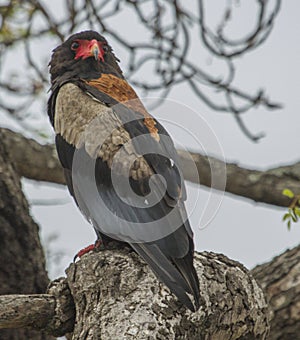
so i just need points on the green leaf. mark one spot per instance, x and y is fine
(288, 193)
(294, 218)
(289, 225)
(286, 216)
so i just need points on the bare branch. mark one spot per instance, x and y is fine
(279, 279)
(261, 186)
(116, 296)
(40, 162)
(169, 37)
(115, 284)
(224, 47)
(33, 160)
(53, 312)
(127, 292)
(22, 311)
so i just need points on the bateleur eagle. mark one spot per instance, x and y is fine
(120, 164)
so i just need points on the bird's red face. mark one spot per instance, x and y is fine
(84, 55)
(89, 48)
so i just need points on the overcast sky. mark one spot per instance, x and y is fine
(243, 230)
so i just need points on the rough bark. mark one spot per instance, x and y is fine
(22, 263)
(53, 312)
(129, 296)
(248, 183)
(31, 159)
(280, 280)
(40, 162)
(117, 297)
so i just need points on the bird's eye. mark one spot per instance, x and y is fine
(74, 45)
(105, 47)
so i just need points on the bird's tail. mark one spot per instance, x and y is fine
(178, 274)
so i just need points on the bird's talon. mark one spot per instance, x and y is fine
(87, 249)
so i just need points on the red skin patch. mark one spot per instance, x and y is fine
(87, 49)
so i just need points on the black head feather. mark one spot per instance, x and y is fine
(64, 66)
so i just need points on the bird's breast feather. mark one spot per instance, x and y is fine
(86, 122)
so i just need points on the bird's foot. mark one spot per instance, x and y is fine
(87, 249)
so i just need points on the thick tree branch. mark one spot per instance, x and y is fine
(33, 160)
(116, 296)
(53, 312)
(260, 186)
(280, 280)
(116, 285)
(39, 162)
(20, 311)
(22, 262)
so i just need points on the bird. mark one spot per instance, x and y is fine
(120, 163)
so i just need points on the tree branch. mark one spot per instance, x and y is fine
(22, 261)
(168, 36)
(280, 280)
(117, 296)
(116, 285)
(40, 162)
(20, 311)
(260, 186)
(53, 312)
(33, 160)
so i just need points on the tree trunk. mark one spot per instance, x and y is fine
(116, 296)
(280, 280)
(22, 263)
